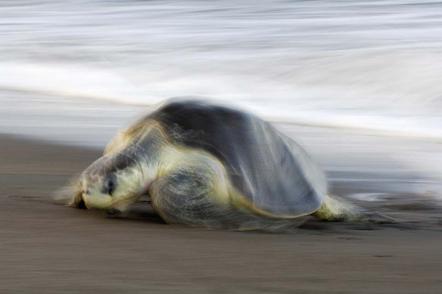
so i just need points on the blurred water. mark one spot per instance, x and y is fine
(364, 64)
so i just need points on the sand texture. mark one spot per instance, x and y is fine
(48, 248)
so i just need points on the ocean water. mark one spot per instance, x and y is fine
(359, 83)
(363, 64)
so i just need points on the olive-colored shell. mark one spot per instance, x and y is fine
(269, 169)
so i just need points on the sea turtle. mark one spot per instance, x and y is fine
(204, 164)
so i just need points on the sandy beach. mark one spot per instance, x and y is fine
(48, 248)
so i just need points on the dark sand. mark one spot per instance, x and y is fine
(48, 248)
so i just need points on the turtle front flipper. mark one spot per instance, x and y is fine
(195, 195)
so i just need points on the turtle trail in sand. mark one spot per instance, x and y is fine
(209, 165)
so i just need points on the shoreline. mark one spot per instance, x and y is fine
(118, 114)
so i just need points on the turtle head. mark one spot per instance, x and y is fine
(125, 171)
(112, 183)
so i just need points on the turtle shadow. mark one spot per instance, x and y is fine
(316, 225)
(140, 211)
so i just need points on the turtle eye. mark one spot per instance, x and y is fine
(109, 186)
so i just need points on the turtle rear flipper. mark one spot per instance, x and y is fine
(334, 208)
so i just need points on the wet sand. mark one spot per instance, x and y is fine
(48, 248)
